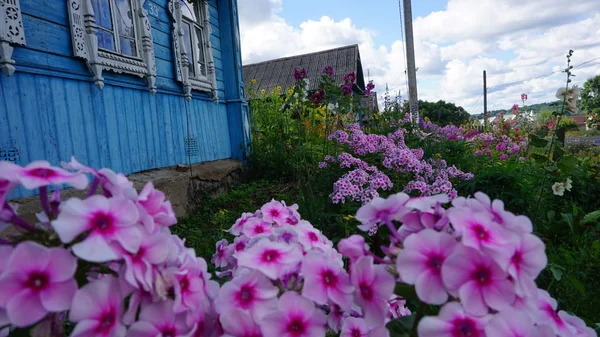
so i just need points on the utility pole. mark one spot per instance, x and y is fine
(484, 99)
(413, 97)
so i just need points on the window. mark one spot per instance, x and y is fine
(11, 33)
(191, 42)
(113, 35)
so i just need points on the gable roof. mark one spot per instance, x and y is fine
(280, 72)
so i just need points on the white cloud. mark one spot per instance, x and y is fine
(511, 39)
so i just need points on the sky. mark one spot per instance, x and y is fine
(518, 42)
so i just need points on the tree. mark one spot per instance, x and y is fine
(590, 95)
(443, 113)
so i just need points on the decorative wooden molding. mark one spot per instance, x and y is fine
(11, 33)
(183, 57)
(85, 44)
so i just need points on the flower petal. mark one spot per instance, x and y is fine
(25, 309)
(95, 249)
(58, 296)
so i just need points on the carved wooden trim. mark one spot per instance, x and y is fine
(11, 33)
(85, 44)
(183, 56)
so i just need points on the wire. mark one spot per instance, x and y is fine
(476, 101)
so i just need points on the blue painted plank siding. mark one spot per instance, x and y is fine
(51, 110)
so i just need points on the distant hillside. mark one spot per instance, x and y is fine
(533, 107)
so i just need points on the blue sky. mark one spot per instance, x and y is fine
(516, 41)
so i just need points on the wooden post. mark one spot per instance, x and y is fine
(413, 97)
(484, 99)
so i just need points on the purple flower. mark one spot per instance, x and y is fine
(299, 75)
(347, 89)
(325, 281)
(452, 322)
(350, 78)
(328, 70)
(296, 317)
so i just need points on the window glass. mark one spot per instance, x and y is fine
(102, 13)
(187, 10)
(187, 39)
(200, 51)
(106, 40)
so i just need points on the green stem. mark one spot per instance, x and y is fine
(420, 313)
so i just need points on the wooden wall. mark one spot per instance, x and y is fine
(51, 110)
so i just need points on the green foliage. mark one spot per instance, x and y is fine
(590, 95)
(442, 113)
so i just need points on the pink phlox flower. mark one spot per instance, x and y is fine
(5, 254)
(237, 323)
(326, 281)
(36, 280)
(382, 210)
(111, 182)
(478, 281)
(158, 211)
(374, 286)
(238, 227)
(427, 203)
(511, 323)
(159, 319)
(397, 306)
(41, 173)
(139, 266)
(411, 224)
(98, 309)
(296, 317)
(273, 259)
(293, 217)
(239, 244)
(108, 221)
(435, 218)
(193, 287)
(252, 292)
(357, 327)
(481, 233)
(577, 325)
(526, 263)
(335, 318)
(420, 263)
(547, 314)
(452, 321)
(310, 237)
(8, 180)
(287, 234)
(519, 224)
(275, 212)
(220, 258)
(257, 226)
(353, 247)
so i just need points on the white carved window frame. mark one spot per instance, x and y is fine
(11, 33)
(183, 57)
(85, 44)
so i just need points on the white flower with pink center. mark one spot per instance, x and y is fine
(41, 173)
(139, 266)
(452, 321)
(252, 292)
(257, 226)
(238, 227)
(158, 319)
(295, 317)
(420, 263)
(273, 259)
(512, 323)
(357, 327)
(159, 212)
(310, 237)
(479, 282)
(547, 314)
(275, 211)
(382, 210)
(109, 222)
(221, 257)
(325, 281)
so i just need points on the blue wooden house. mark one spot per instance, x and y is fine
(127, 84)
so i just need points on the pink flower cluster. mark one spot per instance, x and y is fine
(108, 260)
(475, 259)
(428, 177)
(286, 277)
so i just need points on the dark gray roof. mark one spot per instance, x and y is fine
(280, 72)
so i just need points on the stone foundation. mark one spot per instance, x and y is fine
(177, 182)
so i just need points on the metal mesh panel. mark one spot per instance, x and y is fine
(9, 154)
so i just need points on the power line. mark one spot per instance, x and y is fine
(506, 85)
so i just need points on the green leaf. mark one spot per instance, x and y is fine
(569, 220)
(591, 218)
(539, 158)
(401, 326)
(537, 141)
(596, 248)
(551, 214)
(557, 273)
(576, 284)
(405, 291)
(567, 163)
